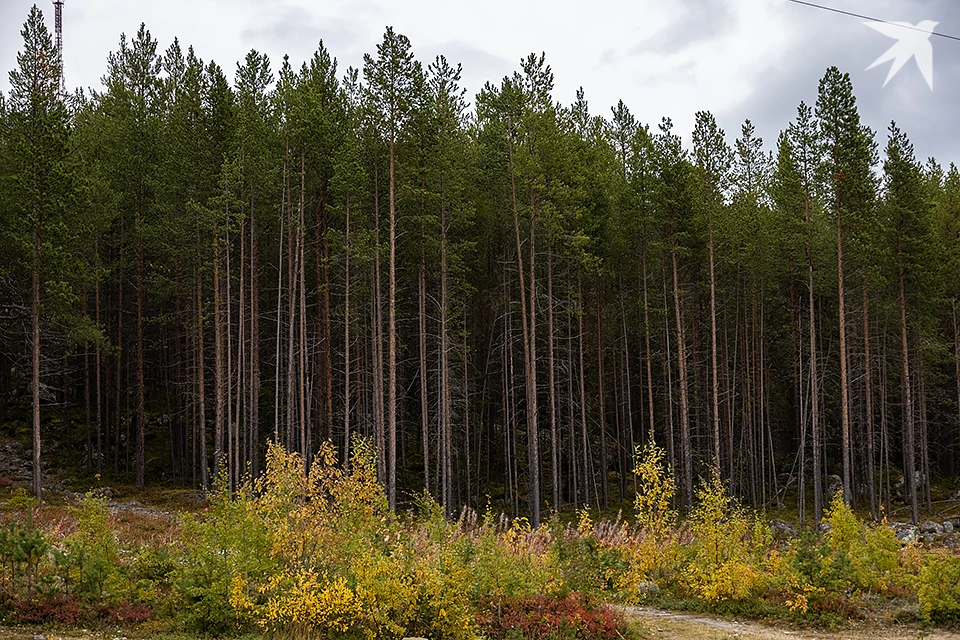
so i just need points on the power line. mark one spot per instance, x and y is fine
(872, 19)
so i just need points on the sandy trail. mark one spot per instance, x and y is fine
(668, 625)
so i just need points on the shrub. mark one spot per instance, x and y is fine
(870, 550)
(230, 541)
(87, 558)
(728, 549)
(538, 618)
(652, 555)
(939, 588)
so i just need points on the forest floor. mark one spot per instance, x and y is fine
(658, 624)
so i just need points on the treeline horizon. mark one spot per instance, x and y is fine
(505, 301)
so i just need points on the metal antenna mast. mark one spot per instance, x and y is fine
(58, 4)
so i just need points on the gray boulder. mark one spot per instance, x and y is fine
(930, 526)
(834, 484)
(782, 530)
(906, 533)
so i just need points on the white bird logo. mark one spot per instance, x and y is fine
(913, 41)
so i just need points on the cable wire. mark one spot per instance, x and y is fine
(871, 19)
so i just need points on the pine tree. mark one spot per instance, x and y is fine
(713, 159)
(39, 187)
(907, 210)
(847, 155)
(391, 78)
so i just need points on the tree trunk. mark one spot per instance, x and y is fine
(424, 403)
(141, 381)
(685, 444)
(715, 385)
(447, 401)
(844, 385)
(35, 361)
(254, 351)
(551, 375)
(392, 344)
(346, 342)
(909, 448)
(602, 408)
(97, 366)
(868, 390)
(219, 366)
(814, 384)
(649, 354)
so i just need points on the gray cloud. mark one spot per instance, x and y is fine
(699, 21)
(823, 39)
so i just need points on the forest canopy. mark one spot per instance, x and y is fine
(505, 294)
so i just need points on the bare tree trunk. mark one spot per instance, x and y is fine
(909, 448)
(234, 446)
(446, 406)
(602, 408)
(668, 369)
(141, 381)
(884, 431)
(585, 444)
(305, 422)
(119, 374)
(346, 343)
(379, 407)
(424, 403)
(35, 361)
(571, 436)
(392, 343)
(649, 354)
(715, 384)
(956, 352)
(529, 338)
(844, 384)
(97, 373)
(295, 442)
(533, 416)
(219, 372)
(924, 442)
(814, 386)
(554, 438)
(254, 355)
(201, 417)
(685, 444)
(627, 392)
(276, 376)
(868, 390)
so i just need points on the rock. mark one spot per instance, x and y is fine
(906, 534)
(825, 527)
(947, 526)
(102, 492)
(782, 530)
(648, 588)
(834, 484)
(134, 503)
(39, 637)
(930, 526)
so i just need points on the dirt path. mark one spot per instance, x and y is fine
(668, 625)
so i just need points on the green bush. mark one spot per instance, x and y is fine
(939, 588)
(229, 541)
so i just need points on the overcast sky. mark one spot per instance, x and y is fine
(740, 59)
